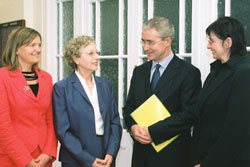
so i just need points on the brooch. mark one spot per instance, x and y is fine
(26, 88)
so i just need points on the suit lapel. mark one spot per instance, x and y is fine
(101, 95)
(78, 86)
(146, 79)
(168, 75)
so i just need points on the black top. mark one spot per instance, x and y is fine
(32, 76)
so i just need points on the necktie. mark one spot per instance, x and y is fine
(156, 76)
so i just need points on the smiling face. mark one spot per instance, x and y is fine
(155, 47)
(219, 48)
(28, 54)
(88, 60)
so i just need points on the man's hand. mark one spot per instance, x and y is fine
(147, 134)
(198, 165)
(140, 135)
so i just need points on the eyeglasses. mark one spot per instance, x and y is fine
(92, 54)
(149, 43)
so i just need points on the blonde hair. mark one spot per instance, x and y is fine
(73, 47)
(17, 38)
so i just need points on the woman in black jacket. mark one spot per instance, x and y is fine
(222, 131)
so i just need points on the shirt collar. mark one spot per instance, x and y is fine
(164, 63)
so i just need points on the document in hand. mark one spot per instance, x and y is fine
(149, 113)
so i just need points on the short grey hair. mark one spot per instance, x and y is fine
(162, 25)
(73, 47)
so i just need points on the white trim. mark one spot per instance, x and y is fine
(60, 72)
(51, 38)
(120, 60)
(203, 13)
(135, 17)
(227, 7)
(248, 48)
(98, 29)
(150, 9)
(82, 18)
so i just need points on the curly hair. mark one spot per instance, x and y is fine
(73, 47)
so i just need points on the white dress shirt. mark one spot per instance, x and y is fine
(93, 98)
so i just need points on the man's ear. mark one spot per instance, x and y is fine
(168, 41)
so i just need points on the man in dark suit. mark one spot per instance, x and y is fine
(177, 87)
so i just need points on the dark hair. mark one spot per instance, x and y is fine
(225, 27)
(17, 38)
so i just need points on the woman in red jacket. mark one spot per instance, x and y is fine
(27, 136)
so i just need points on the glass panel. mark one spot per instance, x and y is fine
(188, 26)
(124, 80)
(108, 70)
(145, 10)
(66, 69)
(93, 20)
(58, 29)
(242, 15)
(144, 60)
(221, 8)
(170, 10)
(68, 30)
(125, 35)
(109, 27)
(188, 59)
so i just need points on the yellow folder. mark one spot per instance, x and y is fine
(149, 113)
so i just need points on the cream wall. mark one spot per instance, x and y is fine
(32, 11)
(11, 10)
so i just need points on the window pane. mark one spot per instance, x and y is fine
(188, 26)
(187, 59)
(145, 10)
(58, 29)
(67, 30)
(108, 69)
(109, 27)
(221, 8)
(242, 15)
(93, 20)
(170, 10)
(124, 80)
(125, 35)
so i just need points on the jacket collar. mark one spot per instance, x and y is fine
(21, 84)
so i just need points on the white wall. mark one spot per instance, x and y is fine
(11, 10)
(32, 11)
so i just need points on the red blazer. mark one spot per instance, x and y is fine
(25, 120)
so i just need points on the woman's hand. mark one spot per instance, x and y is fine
(42, 160)
(108, 159)
(32, 164)
(198, 165)
(99, 163)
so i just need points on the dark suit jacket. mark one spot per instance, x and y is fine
(75, 123)
(177, 88)
(222, 132)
